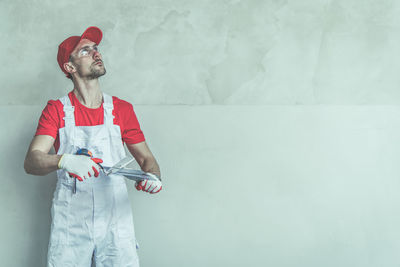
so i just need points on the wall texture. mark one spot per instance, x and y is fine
(275, 124)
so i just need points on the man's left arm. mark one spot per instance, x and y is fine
(141, 152)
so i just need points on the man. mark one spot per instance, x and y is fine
(91, 214)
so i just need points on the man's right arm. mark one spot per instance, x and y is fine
(38, 161)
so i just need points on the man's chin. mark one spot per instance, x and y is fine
(97, 74)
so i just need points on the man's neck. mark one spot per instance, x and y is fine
(88, 93)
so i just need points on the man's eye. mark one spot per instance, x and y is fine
(84, 52)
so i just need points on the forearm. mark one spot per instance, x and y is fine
(150, 165)
(41, 163)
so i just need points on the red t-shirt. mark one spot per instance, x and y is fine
(52, 119)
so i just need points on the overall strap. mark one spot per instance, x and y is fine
(69, 118)
(68, 111)
(108, 109)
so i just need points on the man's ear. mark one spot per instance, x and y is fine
(69, 67)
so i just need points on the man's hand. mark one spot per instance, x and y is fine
(149, 186)
(80, 166)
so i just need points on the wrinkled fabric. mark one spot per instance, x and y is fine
(94, 224)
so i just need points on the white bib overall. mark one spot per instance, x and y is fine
(95, 222)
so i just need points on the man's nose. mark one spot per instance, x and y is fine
(96, 54)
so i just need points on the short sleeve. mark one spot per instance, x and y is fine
(49, 121)
(131, 132)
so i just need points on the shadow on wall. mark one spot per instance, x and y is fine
(32, 198)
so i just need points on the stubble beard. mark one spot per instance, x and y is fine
(94, 73)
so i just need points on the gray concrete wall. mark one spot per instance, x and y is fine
(275, 123)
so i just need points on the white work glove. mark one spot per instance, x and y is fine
(80, 166)
(149, 186)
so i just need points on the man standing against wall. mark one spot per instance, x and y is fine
(91, 217)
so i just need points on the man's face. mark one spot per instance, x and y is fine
(87, 60)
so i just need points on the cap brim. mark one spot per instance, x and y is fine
(93, 34)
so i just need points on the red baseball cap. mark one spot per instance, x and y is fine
(65, 49)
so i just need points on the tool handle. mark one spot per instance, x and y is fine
(86, 152)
